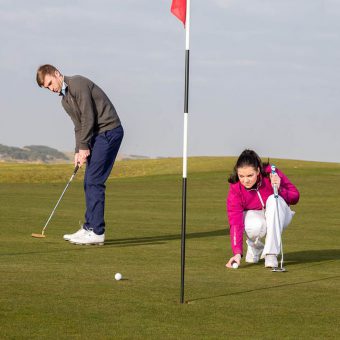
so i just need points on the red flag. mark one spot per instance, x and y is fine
(179, 9)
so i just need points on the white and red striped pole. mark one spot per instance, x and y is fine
(181, 8)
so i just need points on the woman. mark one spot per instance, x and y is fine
(252, 209)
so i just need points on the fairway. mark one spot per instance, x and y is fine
(51, 289)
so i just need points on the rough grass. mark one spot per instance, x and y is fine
(51, 289)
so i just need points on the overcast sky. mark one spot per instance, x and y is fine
(264, 74)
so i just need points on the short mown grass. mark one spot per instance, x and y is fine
(51, 289)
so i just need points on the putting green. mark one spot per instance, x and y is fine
(54, 290)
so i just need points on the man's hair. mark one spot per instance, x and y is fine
(44, 70)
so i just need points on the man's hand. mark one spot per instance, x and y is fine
(76, 157)
(81, 156)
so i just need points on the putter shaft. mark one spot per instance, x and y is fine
(61, 196)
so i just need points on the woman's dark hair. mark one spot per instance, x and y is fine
(248, 158)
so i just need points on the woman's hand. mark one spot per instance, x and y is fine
(275, 180)
(236, 258)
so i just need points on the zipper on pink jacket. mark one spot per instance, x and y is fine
(260, 197)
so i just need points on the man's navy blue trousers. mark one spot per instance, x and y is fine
(104, 149)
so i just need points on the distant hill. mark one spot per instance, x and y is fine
(45, 154)
(31, 153)
(122, 157)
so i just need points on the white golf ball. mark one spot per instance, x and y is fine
(118, 276)
(235, 265)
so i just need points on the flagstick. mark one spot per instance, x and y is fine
(185, 145)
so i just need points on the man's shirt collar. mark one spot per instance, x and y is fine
(63, 89)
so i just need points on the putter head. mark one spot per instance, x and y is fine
(38, 235)
(279, 269)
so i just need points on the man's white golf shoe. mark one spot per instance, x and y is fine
(80, 232)
(88, 238)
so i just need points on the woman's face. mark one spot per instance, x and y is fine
(248, 176)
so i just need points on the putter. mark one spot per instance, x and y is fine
(42, 235)
(280, 269)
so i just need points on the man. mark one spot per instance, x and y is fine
(98, 134)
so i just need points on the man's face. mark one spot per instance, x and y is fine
(53, 82)
(248, 176)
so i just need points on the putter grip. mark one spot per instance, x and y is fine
(276, 192)
(76, 169)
